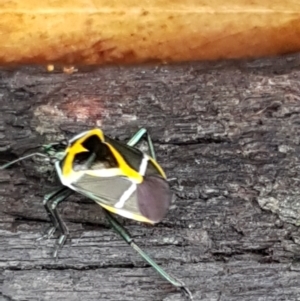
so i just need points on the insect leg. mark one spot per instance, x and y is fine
(127, 237)
(64, 232)
(47, 198)
(136, 138)
(151, 147)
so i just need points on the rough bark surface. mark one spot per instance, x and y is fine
(228, 132)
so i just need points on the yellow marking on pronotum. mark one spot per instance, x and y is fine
(76, 148)
(123, 170)
(67, 167)
(127, 171)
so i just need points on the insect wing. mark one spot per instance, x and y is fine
(108, 192)
(148, 201)
(154, 198)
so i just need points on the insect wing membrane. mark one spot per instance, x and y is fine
(154, 198)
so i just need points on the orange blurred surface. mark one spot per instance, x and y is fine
(121, 32)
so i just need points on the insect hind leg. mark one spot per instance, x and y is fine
(136, 138)
(128, 238)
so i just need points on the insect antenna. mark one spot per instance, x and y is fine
(23, 158)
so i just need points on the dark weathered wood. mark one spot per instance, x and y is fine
(228, 132)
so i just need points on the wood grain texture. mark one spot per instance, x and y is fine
(228, 132)
(84, 32)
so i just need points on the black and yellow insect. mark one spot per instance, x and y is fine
(119, 177)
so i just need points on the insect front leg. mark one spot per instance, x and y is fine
(51, 202)
(47, 199)
(61, 227)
